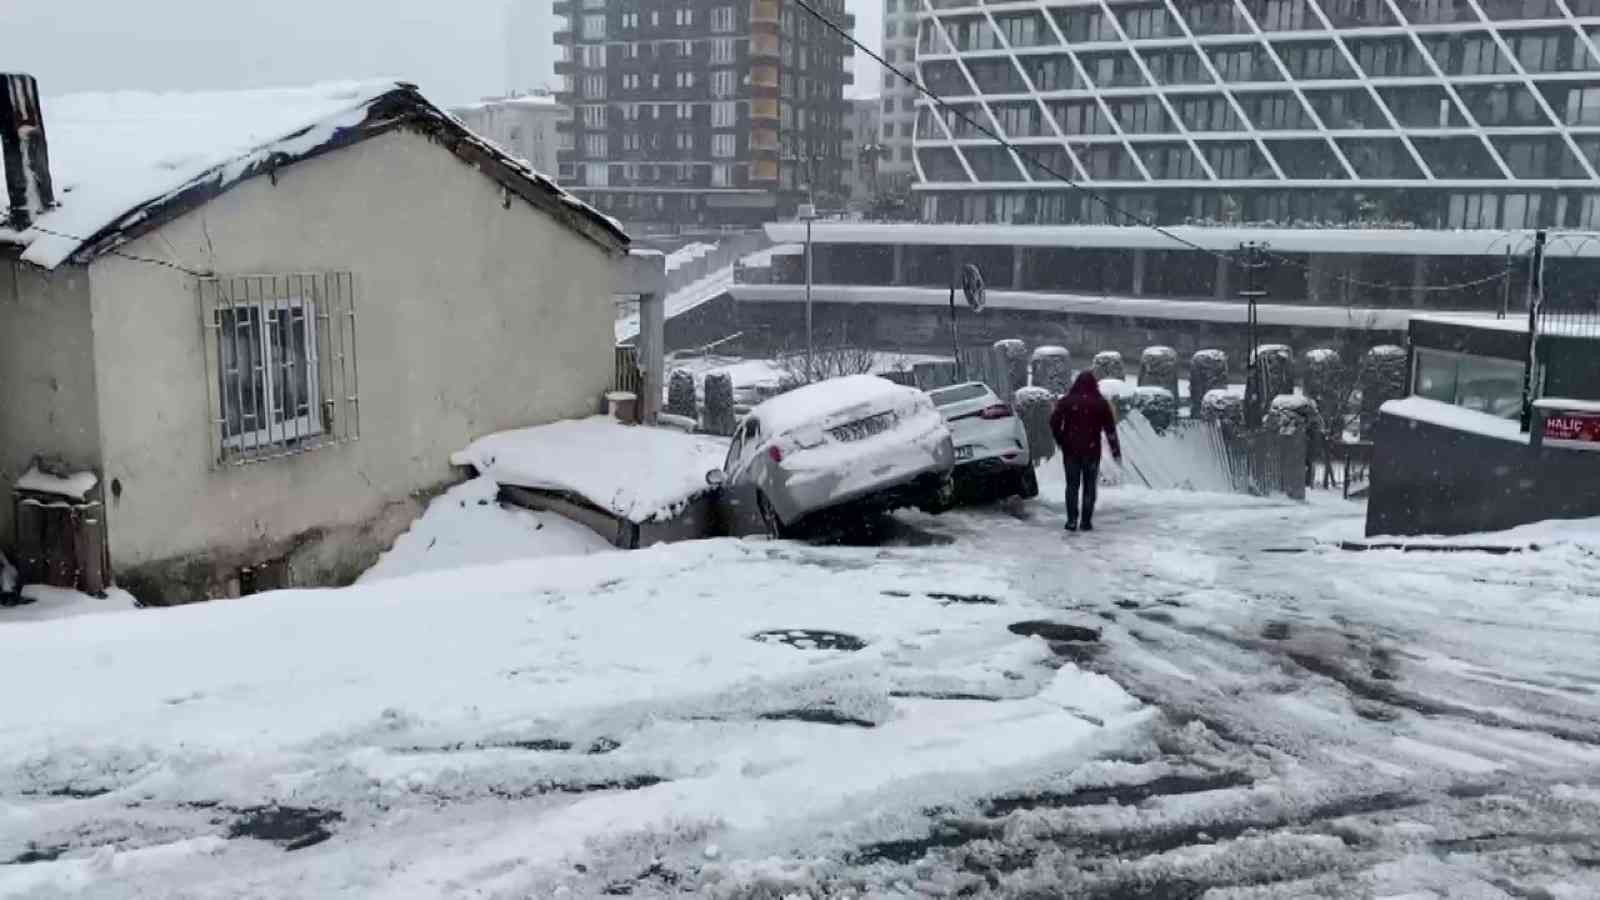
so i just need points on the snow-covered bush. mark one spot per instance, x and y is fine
(1159, 406)
(1325, 384)
(1293, 414)
(1382, 378)
(1124, 397)
(1034, 405)
(721, 416)
(1158, 367)
(1052, 368)
(1108, 364)
(1208, 370)
(1223, 406)
(1273, 375)
(1015, 353)
(680, 394)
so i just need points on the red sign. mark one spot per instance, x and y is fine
(1576, 429)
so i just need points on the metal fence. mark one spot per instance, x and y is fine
(627, 376)
(281, 363)
(1197, 455)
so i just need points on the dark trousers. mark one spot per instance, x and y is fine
(1084, 470)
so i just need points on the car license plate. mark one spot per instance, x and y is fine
(963, 453)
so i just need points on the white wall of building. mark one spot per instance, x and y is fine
(524, 126)
(898, 117)
(474, 315)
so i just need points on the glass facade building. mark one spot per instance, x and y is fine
(1437, 113)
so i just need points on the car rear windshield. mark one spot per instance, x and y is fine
(947, 396)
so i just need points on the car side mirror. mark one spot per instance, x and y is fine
(715, 478)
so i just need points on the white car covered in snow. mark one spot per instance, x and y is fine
(859, 443)
(991, 444)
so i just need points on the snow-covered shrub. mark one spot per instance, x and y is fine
(1382, 378)
(1108, 364)
(1034, 405)
(1293, 414)
(1273, 375)
(680, 394)
(1208, 370)
(1015, 352)
(1052, 369)
(1325, 384)
(1124, 397)
(1223, 406)
(1159, 406)
(1158, 367)
(721, 416)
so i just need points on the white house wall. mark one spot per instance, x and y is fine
(47, 384)
(475, 313)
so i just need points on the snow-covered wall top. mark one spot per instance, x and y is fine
(1219, 238)
(116, 156)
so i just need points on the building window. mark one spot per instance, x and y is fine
(685, 140)
(594, 145)
(594, 27)
(593, 56)
(684, 16)
(722, 51)
(282, 363)
(723, 145)
(722, 175)
(630, 21)
(723, 114)
(722, 83)
(1492, 386)
(594, 87)
(722, 19)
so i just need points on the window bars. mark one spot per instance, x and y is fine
(281, 364)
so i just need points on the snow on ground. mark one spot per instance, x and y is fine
(484, 730)
(1537, 535)
(42, 602)
(641, 474)
(688, 253)
(465, 526)
(679, 301)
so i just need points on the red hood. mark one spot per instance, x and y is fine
(1085, 385)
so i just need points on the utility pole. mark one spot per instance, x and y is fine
(808, 211)
(1535, 302)
(1252, 295)
(955, 337)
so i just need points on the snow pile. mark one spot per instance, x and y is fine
(501, 730)
(41, 603)
(836, 401)
(74, 486)
(640, 474)
(1583, 533)
(1448, 415)
(467, 527)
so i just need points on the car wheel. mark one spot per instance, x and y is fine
(942, 497)
(1028, 484)
(769, 518)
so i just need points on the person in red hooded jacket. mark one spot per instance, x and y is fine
(1079, 417)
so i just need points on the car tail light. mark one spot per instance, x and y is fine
(997, 411)
(775, 454)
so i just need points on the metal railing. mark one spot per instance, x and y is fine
(281, 363)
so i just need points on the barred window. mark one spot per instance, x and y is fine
(281, 359)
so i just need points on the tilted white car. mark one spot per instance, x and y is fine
(859, 443)
(991, 445)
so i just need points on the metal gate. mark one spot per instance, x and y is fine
(1202, 456)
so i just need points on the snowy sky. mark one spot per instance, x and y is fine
(456, 51)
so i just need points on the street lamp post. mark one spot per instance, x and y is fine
(808, 212)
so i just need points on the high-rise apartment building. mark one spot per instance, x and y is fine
(897, 99)
(1443, 113)
(702, 111)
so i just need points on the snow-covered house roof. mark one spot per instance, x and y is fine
(125, 162)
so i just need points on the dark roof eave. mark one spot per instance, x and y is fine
(402, 107)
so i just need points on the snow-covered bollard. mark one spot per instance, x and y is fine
(1208, 371)
(1158, 367)
(1272, 375)
(1015, 353)
(1225, 407)
(1382, 378)
(1159, 406)
(1108, 364)
(1034, 405)
(1324, 382)
(721, 414)
(680, 395)
(1052, 368)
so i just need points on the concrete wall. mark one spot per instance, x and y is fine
(47, 383)
(472, 317)
(1428, 479)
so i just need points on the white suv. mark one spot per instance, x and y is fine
(991, 446)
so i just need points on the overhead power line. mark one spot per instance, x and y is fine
(1110, 206)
